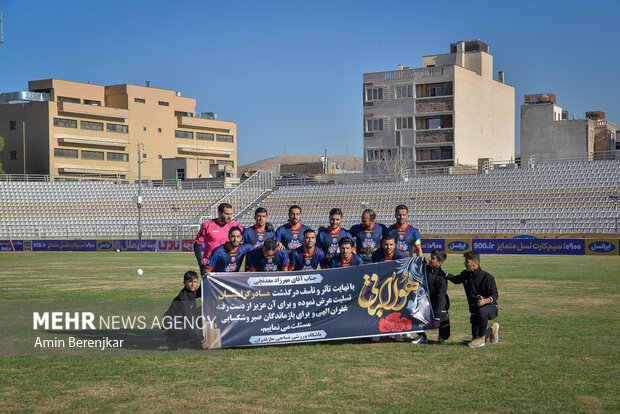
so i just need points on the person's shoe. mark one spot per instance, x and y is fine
(441, 340)
(476, 343)
(376, 339)
(495, 335)
(421, 339)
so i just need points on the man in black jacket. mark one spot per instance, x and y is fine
(182, 313)
(437, 289)
(481, 293)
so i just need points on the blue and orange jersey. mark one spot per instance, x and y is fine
(328, 241)
(224, 260)
(405, 238)
(379, 256)
(258, 262)
(256, 238)
(367, 241)
(338, 261)
(300, 260)
(291, 237)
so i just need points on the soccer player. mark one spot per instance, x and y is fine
(267, 258)
(328, 238)
(228, 257)
(346, 256)
(260, 231)
(214, 233)
(437, 290)
(407, 237)
(367, 235)
(307, 257)
(290, 235)
(387, 252)
(481, 292)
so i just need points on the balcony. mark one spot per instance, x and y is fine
(210, 124)
(434, 104)
(93, 110)
(433, 136)
(192, 149)
(89, 169)
(94, 141)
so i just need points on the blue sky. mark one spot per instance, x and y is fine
(290, 72)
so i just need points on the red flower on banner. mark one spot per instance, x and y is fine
(394, 323)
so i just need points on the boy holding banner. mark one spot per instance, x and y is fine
(438, 292)
(183, 309)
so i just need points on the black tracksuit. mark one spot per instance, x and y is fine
(478, 283)
(184, 305)
(437, 290)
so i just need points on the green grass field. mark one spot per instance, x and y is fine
(558, 350)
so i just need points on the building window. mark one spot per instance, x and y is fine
(229, 163)
(374, 125)
(404, 91)
(444, 121)
(95, 126)
(91, 102)
(404, 123)
(13, 155)
(374, 94)
(123, 129)
(384, 154)
(139, 100)
(12, 125)
(204, 136)
(179, 113)
(117, 156)
(224, 138)
(65, 153)
(158, 129)
(92, 155)
(181, 174)
(69, 100)
(406, 153)
(65, 123)
(434, 89)
(163, 103)
(183, 134)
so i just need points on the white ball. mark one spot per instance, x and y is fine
(139, 272)
(118, 250)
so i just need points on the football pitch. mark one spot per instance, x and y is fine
(558, 350)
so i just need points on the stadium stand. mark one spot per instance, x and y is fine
(568, 197)
(571, 197)
(89, 209)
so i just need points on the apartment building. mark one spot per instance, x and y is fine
(69, 129)
(548, 133)
(448, 113)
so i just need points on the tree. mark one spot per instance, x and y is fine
(1, 146)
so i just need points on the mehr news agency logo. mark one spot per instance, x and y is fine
(88, 321)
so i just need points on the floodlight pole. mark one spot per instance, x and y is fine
(139, 201)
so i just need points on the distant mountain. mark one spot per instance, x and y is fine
(345, 162)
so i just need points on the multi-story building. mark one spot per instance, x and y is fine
(448, 113)
(548, 133)
(70, 129)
